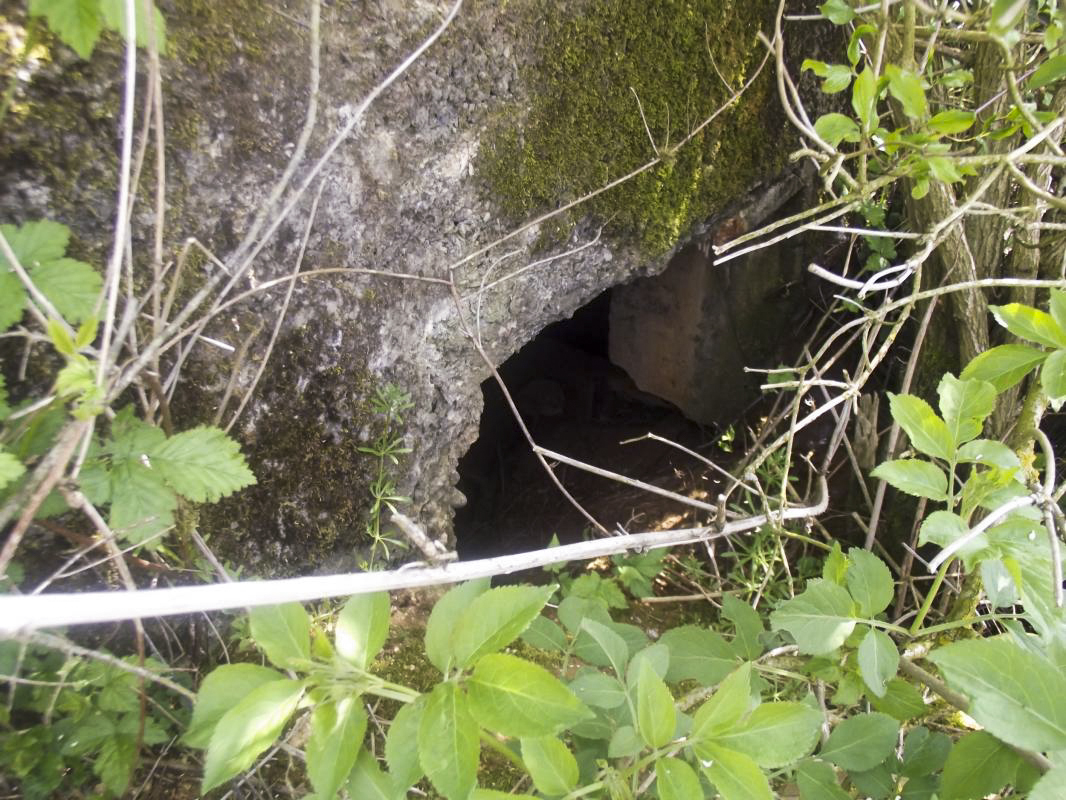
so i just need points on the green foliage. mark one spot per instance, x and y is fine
(79, 23)
(390, 403)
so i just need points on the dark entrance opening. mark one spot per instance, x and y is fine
(575, 401)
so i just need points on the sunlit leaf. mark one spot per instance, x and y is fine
(919, 478)
(518, 698)
(337, 729)
(551, 765)
(448, 744)
(362, 627)
(927, 432)
(861, 742)
(878, 661)
(283, 632)
(819, 619)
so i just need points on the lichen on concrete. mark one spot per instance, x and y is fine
(584, 126)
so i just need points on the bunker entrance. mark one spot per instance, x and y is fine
(574, 401)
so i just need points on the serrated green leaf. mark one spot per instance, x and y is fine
(657, 656)
(774, 734)
(495, 619)
(943, 527)
(977, 766)
(817, 781)
(924, 752)
(965, 405)
(1004, 366)
(37, 242)
(443, 618)
(878, 661)
(76, 22)
(864, 99)
(247, 729)
(202, 464)
(835, 566)
(723, 710)
(837, 11)
(551, 765)
(362, 628)
(906, 87)
(114, 17)
(544, 634)
(952, 121)
(819, 619)
(901, 701)
(1053, 377)
(448, 744)
(676, 780)
(11, 469)
(368, 782)
(927, 432)
(573, 610)
(61, 340)
(141, 505)
(697, 654)
(861, 742)
(656, 715)
(401, 744)
(517, 698)
(988, 452)
(625, 743)
(337, 730)
(222, 689)
(86, 332)
(1030, 324)
(748, 625)
(736, 776)
(13, 299)
(869, 582)
(919, 478)
(604, 640)
(283, 632)
(598, 689)
(1016, 694)
(71, 286)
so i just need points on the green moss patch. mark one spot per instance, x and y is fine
(584, 127)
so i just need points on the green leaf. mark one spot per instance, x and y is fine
(544, 634)
(606, 642)
(202, 464)
(1004, 15)
(919, 478)
(141, 505)
(725, 708)
(38, 242)
(1004, 366)
(878, 661)
(114, 15)
(11, 468)
(61, 340)
(953, 121)
(864, 99)
(443, 619)
(944, 169)
(517, 698)
(247, 729)
(837, 11)
(977, 766)
(71, 286)
(495, 619)
(817, 781)
(775, 734)
(676, 780)
(924, 752)
(1016, 693)
(819, 619)
(76, 22)
(869, 582)
(927, 431)
(1053, 377)
(836, 128)
(1057, 307)
(943, 527)
(221, 690)
(625, 743)
(901, 701)
(835, 566)
(965, 404)
(282, 632)
(362, 628)
(657, 656)
(906, 87)
(337, 730)
(597, 689)
(401, 744)
(988, 452)
(861, 742)
(748, 625)
(551, 765)
(736, 776)
(697, 654)
(492, 794)
(1030, 324)
(448, 744)
(855, 42)
(13, 299)
(656, 715)
(368, 782)
(1052, 785)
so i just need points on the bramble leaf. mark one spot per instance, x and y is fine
(141, 505)
(13, 299)
(71, 286)
(202, 464)
(37, 242)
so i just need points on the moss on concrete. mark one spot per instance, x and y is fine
(584, 127)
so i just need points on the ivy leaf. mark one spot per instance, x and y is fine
(878, 661)
(448, 744)
(495, 619)
(77, 23)
(775, 734)
(656, 714)
(697, 654)
(11, 468)
(736, 776)
(965, 404)
(202, 464)
(676, 780)
(1030, 324)
(13, 299)
(551, 765)
(71, 286)
(362, 628)
(443, 619)
(517, 698)
(1016, 694)
(927, 432)
(114, 17)
(869, 582)
(283, 632)
(1003, 366)
(337, 730)
(919, 478)
(222, 689)
(819, 619)
(861, 742)
(978, 765)
(247, 729)
(906, 87)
